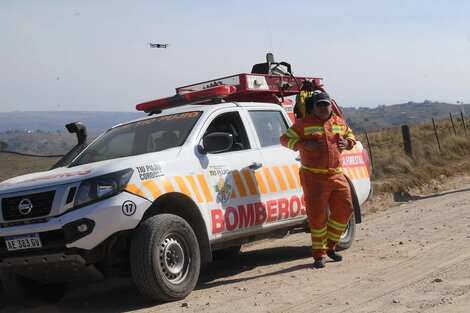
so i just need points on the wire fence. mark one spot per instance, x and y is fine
(423, 141)
(33, 155)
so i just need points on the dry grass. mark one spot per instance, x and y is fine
(14, 165)
(396, 172)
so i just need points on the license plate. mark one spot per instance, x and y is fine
(29, 241)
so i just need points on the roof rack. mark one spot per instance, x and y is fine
(237, 88)
(268, 82)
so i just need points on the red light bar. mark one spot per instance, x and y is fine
(214, 92)
(190, 97)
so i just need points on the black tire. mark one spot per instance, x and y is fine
(226, 253)
(26, 292)
(165, 258)
(347, 238)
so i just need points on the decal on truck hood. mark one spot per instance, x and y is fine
(149, 171)
(46, 177)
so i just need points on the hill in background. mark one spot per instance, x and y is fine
(411, 113)
(45, 133)
(360, 119)
(55, 120)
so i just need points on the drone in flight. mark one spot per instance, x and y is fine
(158, 45)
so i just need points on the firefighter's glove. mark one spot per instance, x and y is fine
(343, 144)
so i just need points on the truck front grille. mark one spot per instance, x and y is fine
(41, 206)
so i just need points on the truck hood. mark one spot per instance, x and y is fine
(67, 175)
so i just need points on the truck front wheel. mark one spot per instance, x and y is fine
(165, 258)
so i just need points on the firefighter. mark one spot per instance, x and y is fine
(320, 137)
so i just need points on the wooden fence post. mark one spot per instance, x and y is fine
(437, 137)
(407, 140)
(452, 121)
(463, 123)
(370, 152)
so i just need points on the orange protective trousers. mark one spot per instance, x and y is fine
(322, 191)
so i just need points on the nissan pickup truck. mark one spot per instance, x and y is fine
(203, 173)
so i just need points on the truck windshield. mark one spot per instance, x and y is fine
(150, 135)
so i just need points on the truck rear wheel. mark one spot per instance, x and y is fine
(347, 238)
(26, 292)
(165, 258)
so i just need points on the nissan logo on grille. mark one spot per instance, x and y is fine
(25, 206)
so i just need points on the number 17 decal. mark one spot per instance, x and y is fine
(129, 208)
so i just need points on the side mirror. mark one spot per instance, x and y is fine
(217, 142)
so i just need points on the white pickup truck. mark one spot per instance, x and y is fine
(156, 197)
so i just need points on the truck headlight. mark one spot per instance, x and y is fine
(105, 186)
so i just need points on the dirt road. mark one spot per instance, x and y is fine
(414, 257)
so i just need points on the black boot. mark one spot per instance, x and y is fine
(335, 256)
(319, 263)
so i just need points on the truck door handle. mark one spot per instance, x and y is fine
(255, 165)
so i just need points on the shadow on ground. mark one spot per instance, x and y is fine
(247, 261)
(121, 295)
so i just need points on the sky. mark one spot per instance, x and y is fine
(94, 55)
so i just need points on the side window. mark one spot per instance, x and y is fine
(230, 123)
(269, 125)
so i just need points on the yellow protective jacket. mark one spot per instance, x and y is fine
(328, 160)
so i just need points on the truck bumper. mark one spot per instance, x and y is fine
(53, 268)
(83, 228)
